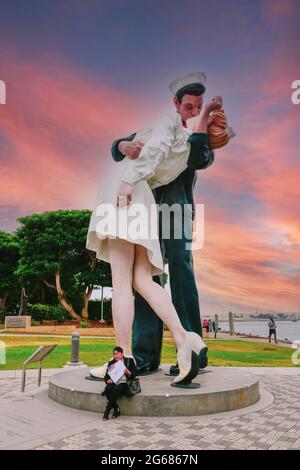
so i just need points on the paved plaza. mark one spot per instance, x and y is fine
(31, 420)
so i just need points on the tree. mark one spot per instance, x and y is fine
(52, 250)
(9, 255)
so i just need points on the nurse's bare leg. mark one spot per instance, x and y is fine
(121, 256)
(189, 344)
(156, 296)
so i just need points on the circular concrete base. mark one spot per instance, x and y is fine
(224, 389)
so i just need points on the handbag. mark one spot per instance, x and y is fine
(133, 387)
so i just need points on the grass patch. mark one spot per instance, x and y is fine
(97, 351)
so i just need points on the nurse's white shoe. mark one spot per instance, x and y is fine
(99, 372)
(188, 357)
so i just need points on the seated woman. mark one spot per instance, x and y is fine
(114, 390)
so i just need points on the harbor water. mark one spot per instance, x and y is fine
(289, 330)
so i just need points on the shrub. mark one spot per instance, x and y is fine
(58, 313)
(38, 312)
(41, 312)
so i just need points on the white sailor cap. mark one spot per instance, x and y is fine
(188, 79)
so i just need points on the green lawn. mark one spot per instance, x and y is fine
(97, 351)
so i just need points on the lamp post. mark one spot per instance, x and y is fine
(102, 316)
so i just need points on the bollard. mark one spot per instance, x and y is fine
(75, 351)
(231, 324)
(75, 348)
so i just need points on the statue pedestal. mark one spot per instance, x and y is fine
(224, 389)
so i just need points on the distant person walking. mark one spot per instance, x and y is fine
(272, 328)
(214, 327)
(205, 325)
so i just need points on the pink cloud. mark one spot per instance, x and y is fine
(277, 10)
(58, 126)
(240, 268)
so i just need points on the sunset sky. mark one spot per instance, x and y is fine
(80, 73)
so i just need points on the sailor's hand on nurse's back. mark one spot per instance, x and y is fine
(210, 121)
(214, 104)
(131, 150)
(124, 194)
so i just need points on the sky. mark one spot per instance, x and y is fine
(81, 73)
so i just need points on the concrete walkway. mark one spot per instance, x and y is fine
(31, 420)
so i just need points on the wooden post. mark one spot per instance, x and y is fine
(216, 324)
(23, 379)
(40, 374)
